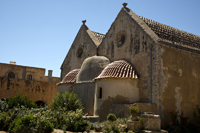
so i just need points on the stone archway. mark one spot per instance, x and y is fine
(40, 103)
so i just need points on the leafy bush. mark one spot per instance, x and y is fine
(111, 117)
(67, 101)
(31, 124)
(3, 121)
(72, 118)
(80, 125)
(3, 106)
(184, 125)
(21, 100)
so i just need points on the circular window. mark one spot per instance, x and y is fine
(79, 52)
(120, 39)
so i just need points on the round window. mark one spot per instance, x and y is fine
(120, 39)
(79, 52)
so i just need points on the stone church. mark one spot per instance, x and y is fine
(139, 61)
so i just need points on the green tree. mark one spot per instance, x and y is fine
(66, 101)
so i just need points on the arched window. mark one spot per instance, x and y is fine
(29, 77)
(79, 52)
(100, 93)
(11, 75)
(120, 39)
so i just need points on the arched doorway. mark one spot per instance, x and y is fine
(40, 103)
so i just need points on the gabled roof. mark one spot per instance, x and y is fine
(171, 34)
(166, 33)
(99, 36)
(96, 37)
(70, 77)
(118, 69)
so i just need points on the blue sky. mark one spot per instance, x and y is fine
(39, 33)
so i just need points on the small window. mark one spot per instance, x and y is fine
(11, 75)
(29, 77)
(79, 52)
(120, 39)
(100, 93)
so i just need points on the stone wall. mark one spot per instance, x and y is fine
(85, 92)
(36, 90)
(178, 77)
(114, 91)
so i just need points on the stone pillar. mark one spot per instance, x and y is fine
(23, 73)
(50, 75)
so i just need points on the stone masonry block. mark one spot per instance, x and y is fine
(151, 122)
(134, 125)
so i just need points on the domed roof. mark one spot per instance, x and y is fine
(118, 69)
(91, 68)
(70, 77)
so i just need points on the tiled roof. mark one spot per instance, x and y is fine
(99, 36)
(70, 77)
(118, 69)
(172, 34)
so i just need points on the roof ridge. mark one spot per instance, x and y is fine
(169, 33)
(99, 36)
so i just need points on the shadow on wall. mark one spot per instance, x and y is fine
(105, 107)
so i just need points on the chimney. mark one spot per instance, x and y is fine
(50, 75)
(13, 62)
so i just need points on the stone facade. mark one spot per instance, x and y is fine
(166, 61)
(27, 80)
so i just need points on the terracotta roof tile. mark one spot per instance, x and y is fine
(171, 34)
(118, 69)
(70, 77)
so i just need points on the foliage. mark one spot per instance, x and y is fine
(133, 109)
(183, 124)
(21, 100)
(31, 124)
(65, 114)
(113, 126)
(111, 117)
(67, 101)
(80, 125)
(3, 106)
(74, 119)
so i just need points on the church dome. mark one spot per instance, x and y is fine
(70, 77)
(118, 69)
(91, 68)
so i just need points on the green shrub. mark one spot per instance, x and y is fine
(21, 100)
(3, 123)
(66, 101)
(111, 117)
(31, 124)
(3, 106)
(185, 125)
(80, 125)
(73, 121)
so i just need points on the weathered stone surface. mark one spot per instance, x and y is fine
(151, 122)
(134, 125)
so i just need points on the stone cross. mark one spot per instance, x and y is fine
(124, 4)
(84, 21)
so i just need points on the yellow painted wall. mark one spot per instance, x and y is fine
(179, 82)
(36, 90)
